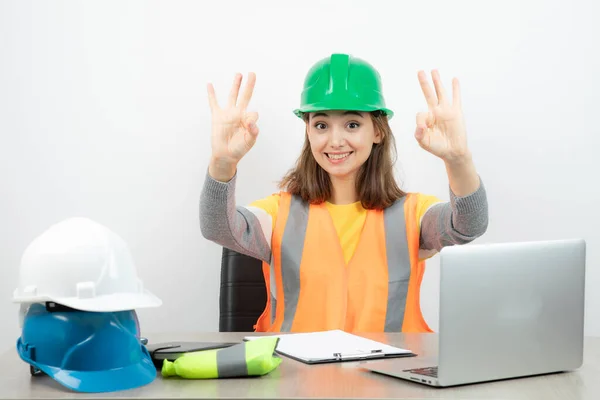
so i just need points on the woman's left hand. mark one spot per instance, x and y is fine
(441, 131)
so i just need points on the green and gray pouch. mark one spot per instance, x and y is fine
(251, 358)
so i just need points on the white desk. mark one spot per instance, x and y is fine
(294, 380)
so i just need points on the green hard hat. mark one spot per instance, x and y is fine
(342, 82)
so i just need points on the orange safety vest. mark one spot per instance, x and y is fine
(379, 289)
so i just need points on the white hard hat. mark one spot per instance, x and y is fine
(83, 265)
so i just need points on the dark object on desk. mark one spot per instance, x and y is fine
(242, 296)
(173, 350)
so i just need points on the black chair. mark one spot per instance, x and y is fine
(243, 296)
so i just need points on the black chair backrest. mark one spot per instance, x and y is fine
(242, 297)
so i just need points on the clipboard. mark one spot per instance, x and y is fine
(375, 354)
(333, 346)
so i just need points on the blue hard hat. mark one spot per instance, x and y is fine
(86, 351)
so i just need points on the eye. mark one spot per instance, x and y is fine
(320, 125)
(353, 125)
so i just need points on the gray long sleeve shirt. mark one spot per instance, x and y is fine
(458, 221)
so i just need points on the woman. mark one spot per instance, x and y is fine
(343, 247)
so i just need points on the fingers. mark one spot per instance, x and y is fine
(235, 89)
(234, 92)
(427, 91)
(423, 137)
(251, 117)
(439, 88)
(245, 100)
(212, 98)
(253, 129)
(456, 93)
(440, 96)
(424, 120)
(419, 133)
(250, 121)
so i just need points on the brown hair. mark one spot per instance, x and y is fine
(375, 184)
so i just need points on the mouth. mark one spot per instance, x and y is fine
(338, 157)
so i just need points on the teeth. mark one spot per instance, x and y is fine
(338, 156)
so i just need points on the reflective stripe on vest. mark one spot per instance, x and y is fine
(291, 257)
(396, 247)
(377, 291)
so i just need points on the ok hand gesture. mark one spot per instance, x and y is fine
(234, 129)
(441, 130)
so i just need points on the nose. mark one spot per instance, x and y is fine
(338, 137)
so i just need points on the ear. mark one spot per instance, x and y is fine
(377, 137)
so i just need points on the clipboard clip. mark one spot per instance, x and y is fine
(358, 355)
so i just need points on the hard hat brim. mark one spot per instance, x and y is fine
(112, 380)
(327, 107)
(106, 303)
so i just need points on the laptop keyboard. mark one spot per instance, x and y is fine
(429, 371)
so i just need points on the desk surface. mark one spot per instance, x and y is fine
(294, 380)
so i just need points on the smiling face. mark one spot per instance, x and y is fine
(341, 141)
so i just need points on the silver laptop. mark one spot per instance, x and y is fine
(506, 310)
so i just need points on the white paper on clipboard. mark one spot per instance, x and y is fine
(332, 346)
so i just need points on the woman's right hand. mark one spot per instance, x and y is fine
(234, 129)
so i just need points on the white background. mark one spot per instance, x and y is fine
(103, 114)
